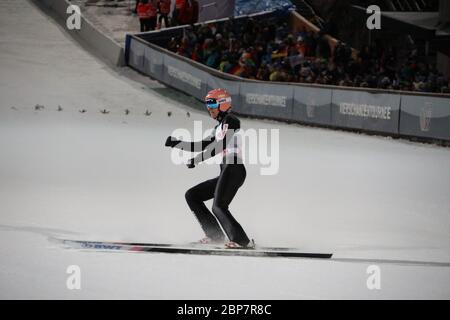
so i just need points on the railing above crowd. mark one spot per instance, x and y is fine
(272, 83)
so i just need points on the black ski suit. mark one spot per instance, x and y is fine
(222, 188)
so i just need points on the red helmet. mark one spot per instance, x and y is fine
(218, 98)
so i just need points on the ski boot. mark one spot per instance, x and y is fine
(234, 245)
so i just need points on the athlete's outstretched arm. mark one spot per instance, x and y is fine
(190, 146)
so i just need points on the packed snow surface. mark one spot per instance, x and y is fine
(94, 176)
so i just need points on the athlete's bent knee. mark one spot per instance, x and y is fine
(190, 196)
(218, 208)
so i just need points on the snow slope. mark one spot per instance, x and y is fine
(108, 177)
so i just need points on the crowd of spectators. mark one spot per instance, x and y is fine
(266, 49)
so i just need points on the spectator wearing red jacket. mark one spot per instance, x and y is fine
(164, 11)
(179, 5)
(147, 13)
(188, 14)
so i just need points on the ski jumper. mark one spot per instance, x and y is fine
(222, 188)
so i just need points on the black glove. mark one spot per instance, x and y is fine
(171, 142)
(190, 164)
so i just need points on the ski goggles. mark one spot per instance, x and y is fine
(212, 104)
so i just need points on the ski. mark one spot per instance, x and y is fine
(198, 249)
